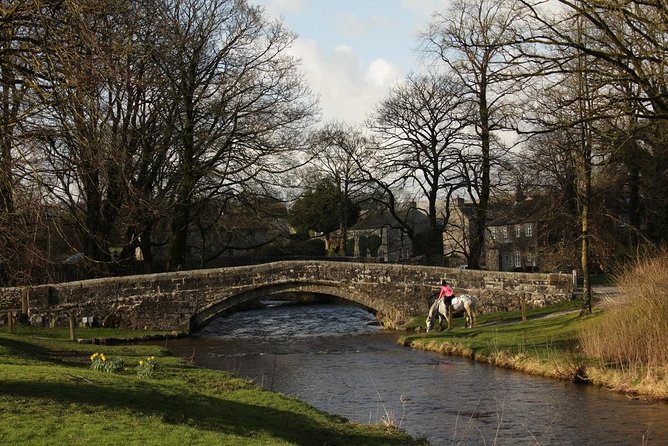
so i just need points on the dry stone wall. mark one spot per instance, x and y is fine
(185, 300)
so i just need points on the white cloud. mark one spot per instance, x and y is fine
(382, 73)
(424, 7)
(348, 89)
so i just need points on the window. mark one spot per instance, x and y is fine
(492, 233)
(528, 230)
(518, 259)
(518, 231)
(530, 259)
(505, 232)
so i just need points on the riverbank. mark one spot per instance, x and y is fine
(547, 344)
(50, 395)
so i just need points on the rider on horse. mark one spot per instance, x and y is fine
(446, 292)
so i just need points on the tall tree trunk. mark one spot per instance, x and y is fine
(434, 248)
(634, 195)
(585, 111)
(179, 229)
(478, 239)
(93, 237)
(584, 213)
(7, 118)
(6, 189)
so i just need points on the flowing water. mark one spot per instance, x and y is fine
(336, 359)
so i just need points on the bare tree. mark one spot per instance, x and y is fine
(88, 131)
(627, 44)
(480, 42)
(25, 220)
(574, 109)
(421, 130)
(239, 102)
(628, 39)
(610, 61)
(339, 153)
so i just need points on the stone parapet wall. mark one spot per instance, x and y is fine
(185, 300)
(11, 299)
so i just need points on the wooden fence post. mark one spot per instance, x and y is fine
(523, 306)
(10, 321)
(71, 321)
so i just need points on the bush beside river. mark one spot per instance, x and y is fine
(139, 394)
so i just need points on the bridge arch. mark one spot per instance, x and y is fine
(325, 288)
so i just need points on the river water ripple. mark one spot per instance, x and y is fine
(334, 358)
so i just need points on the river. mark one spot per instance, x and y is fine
(336, 359)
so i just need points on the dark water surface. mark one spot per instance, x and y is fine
(333, 358)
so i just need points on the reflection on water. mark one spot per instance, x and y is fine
(335, 359)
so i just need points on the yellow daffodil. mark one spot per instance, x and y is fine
(94, 356)
(141, 362)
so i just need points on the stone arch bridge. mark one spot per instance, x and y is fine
(187, 300)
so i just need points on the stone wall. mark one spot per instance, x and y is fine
(186, 300)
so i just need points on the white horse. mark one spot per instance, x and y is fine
(465, 303)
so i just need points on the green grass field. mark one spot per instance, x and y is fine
(49, 395)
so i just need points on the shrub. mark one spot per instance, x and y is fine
(635, 334)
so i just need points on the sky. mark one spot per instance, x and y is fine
(354, 51)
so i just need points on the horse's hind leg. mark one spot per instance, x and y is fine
(470, 316)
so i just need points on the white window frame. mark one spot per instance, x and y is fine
(528, 230)
(492, 233)
(518, 231)
(505, 232)
(517, 259)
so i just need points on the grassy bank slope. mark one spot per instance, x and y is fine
(548, 344)
(49, 395)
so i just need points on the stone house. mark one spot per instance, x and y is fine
(512, 236)
(458, 232)
(379, 235)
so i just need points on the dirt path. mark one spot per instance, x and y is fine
(607, 296)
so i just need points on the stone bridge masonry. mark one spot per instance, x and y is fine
(188, 300)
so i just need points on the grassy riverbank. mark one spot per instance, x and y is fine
(49, 395)
(548, 344)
